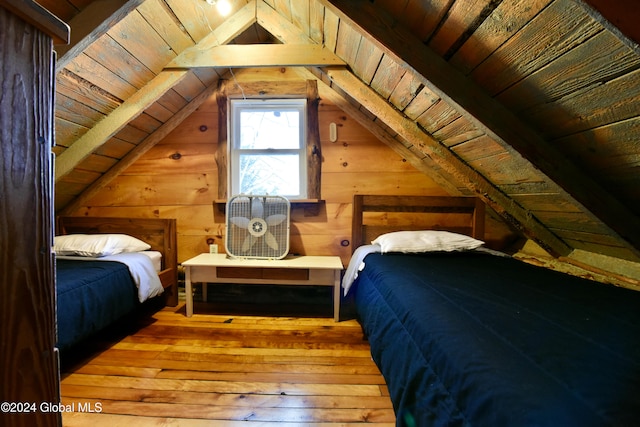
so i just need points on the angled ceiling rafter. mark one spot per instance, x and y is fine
(90, 24)
(490, 116)
(419, 141)
(337, 99)
(145, 97)
(103, 130)
(286, 32)
(139, 150)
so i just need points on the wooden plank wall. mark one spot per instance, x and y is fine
(178, 179)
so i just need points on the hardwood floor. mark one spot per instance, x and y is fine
(226, 370)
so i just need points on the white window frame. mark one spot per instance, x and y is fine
(237, 106)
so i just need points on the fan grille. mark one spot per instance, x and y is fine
(257, 227)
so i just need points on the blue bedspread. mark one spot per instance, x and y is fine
(470, 339)
(90, 296)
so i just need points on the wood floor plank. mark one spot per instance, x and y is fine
(243, 413)
(288, 377)
(234, 332)
(185, 346)
(168, 360)
(240, 366)
(228, 371)
(217, 386)
(111, 420)
(299, 378)
(251, 341)
(252, 400)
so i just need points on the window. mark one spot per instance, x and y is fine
(303, 96)
(268, 149)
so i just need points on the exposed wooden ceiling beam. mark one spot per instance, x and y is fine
(258, 56)
(90, 24)
(416, 137)
(114, 122)
(288, 33)
(136, 104)
(487, 114)
(440, 154)
(139, 150)
(421, 164)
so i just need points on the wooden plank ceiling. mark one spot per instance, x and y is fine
(533, 105)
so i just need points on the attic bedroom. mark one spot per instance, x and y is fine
(521, 115)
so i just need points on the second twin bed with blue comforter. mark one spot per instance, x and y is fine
(480, 340)
(468, 337)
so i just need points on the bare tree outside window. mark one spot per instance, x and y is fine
(268, 155)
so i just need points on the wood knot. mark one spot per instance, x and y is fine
(176, 156)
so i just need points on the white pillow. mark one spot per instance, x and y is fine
(97, 245)
(425, 241)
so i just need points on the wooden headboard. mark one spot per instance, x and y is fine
(375, 215)
(160, 233)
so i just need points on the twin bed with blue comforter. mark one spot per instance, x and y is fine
(469, 338)
(91, 295)
(99, 281)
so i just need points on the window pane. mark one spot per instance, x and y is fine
(269, 129)
(270, 174)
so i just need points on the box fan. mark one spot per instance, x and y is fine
(257, 226)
